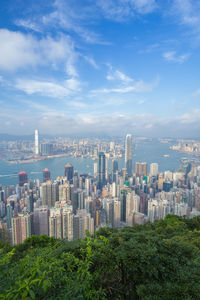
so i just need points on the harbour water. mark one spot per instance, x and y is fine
(148, 151)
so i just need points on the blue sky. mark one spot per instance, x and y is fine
(100, 67)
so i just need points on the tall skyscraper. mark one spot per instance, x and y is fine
(55, 223)
(49, 193)
(46, 175)
(69, 172)
(22, 227)
(41, 220)
(36, 142)
(101, 170)
(82, 222)
(67, 223)
(46, 149)
(23, 178)
(141, 168)
(154, 169)
(129, 154)
(114, 170)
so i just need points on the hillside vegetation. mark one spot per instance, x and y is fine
(152, 261)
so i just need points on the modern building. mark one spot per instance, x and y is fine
(46, 149)
(46, 175)
(82, 222)
(141, 169)
(30, 202)
(49, 193)
(55, 223)
(41, 220)
(22, 227)
(129, 154)
(69, 171)
(36, 142)
(23, 178)
(153, 169)
(101, 170)
(114, 170)
(67, 222)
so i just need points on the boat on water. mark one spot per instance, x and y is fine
(166, 155)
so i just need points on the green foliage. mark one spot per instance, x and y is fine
(151, 262)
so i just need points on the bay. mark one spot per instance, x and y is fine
(148, 151)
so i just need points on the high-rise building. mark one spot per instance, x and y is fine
(23, 178)
(82, 222)
(36, 142)
(55, 223)
(30, 202)
(46, 149)
(49, 193)
(132, 204)
(95, 169)
(69, 172)
(21, 228)
(67, 222)
(112, 208)
(41, 220)
(154, 169)
(141, 169)
(46, 175)
(128, 154)
(114, 170)
(101, 170)
(9, 215)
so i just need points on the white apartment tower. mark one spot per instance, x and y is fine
(128, 154)
(36, 142)
(154, 169)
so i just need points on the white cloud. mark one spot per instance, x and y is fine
(187, 12)
(28, 25)
(191, 117)
(91, 61)
(71, 18)
(117, 75)
(20, 50)
(136, 86)
(61, 121)
(173, 57)
(120, 10)
(48, 88)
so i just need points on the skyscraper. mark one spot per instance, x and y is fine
(41, 220)
(22, 227)
(46, 175)
(141, 168)
(23, 178)
(36, 142)
(69, 172)
(101, 170)
(128, 154)
(154, 169)
(114, 170)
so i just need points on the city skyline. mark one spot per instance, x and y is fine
(101, 67)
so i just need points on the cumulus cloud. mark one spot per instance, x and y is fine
(20, 51)
(61, 121)
(48, 88)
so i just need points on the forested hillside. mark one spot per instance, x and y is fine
(152, 261)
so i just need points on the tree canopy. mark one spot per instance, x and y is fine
(151, 262)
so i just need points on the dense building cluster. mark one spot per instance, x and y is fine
(75, 203)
